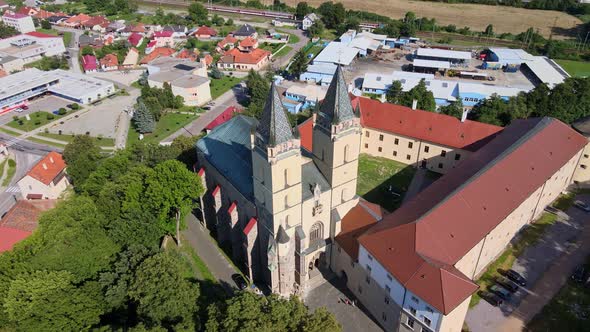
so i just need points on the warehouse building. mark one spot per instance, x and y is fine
(451, 58)
(18, 88)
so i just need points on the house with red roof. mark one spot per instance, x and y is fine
(205, 32)
(226, 44)
(94, 21)
(222, 118)
(29, 11)
(150, 47)
(235, 59)
(76, 21)
(157, 53)
(207, 60)
(193, 55)
(21, 220)
(163, 39)
(248, 44)
(109, 62)
(135, 39)
(46, 180)
(89, 63)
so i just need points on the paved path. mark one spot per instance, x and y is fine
(547, 265)
(198, 237)
(73, 48)
(230, 98)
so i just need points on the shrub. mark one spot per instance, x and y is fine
(15, 118)
(62, 111)
(50, 116)
(11, 163)
(37, 122)
(75, 106)
(20, 122)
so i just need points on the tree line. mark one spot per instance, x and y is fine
(152, 104)
(569, 6)
(95, 262)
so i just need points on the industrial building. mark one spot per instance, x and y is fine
(434, 59)
(18, 88)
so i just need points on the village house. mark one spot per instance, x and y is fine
(204, 32)
(46, 180)
(109, 62)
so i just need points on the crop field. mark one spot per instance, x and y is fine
(477, 17)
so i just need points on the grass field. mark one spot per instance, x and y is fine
(9, 172)
(9, 132)
(222, 85)
(100, 141)
(38, 119)
(477, 17)
(168, 124)
(284, 51)
(44, 142)
(567, 311)
(377, 174)
(528, 237)
(575, 68)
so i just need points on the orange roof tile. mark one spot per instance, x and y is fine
(157, 53)
(48, 168)
(248, 42)
(235, 56)
(109, 60)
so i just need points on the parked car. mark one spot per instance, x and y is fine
(25, 107)
(579, 274)
(239, 280)
(502, 292)
(516, 277)
(491, 298)
(18, 110)
(582, 206)
(506, 283)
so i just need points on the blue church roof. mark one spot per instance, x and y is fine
(227, 148)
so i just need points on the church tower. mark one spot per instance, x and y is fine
(336, 146)
(276, 164)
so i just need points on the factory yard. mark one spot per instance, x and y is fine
(477, 17)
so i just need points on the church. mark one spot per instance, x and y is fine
(277, 205)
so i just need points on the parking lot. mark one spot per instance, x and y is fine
(532, 264)
(44, 104)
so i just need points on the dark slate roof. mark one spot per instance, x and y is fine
(282, 236)
(337, 104)
(245, 30)
(227, 148)
(274, 127)
(310, 176)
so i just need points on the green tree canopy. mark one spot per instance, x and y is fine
(302, 9)
(143, 118)
(394, 92)
(299, 64)
(197, 13)
(421, 94)
(453, 109)
(82, 157)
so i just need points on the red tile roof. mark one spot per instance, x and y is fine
(306, 134)
(80, 18)
(152, 44)
(15, 15)
(135, 38)
(21, 220)
(158, 52)
(205, 31)
(163, 34)
(139, 27)
(250, 225)
(41, 35)
(27, 10)
(43, 14)
(207, 60)
(109, 60)
(357, 221)
(48, 168)
(232, 207)
(235, 56)
(248, 42)
(432, 127)
(188, 54)
(95, 20)
(89, 62)
(227, 40)
(222, 118)
(421, 241)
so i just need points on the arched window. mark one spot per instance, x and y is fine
(286, 177)
(344, 197)
(346, 153)
(286, 201)
(316, 232)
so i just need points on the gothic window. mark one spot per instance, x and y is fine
(286, 201)
(316, 232)
(346, 153)
(286, 177)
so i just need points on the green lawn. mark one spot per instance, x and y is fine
(9, 132)
(38, 119)
(271, 47)
(315, 49)
(203, 271)
(168, 124)
(100, 141)
(569, 310)
(9, 172)
(529, 236)
(293, 38)
(220, 86)
(575, 68)
(563, 202)
(284, 51)
(44, 142)
(377, 174)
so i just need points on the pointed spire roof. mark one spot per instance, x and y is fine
(274, 126)
(337, 104)
(282, 236)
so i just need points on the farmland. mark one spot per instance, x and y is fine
(477, 17)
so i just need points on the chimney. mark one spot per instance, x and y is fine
(464, 115)
(44, 166)
(414, 104)
(51, 159)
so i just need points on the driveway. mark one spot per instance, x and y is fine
(73, 48)
(352, 319)
(546, 266)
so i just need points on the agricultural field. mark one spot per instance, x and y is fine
(575, 68)
(475, 16)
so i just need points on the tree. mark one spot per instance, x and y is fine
(316, 29)
(421, 94)
(87, 50)
(489, 31)
(162, 294)
(394, 92)
(332, 14)
(49, 301)
(249, 312)
(82, 156)
(45, 24)
(299, 64)
(217, 20)
(230, 21)
(453, 109)
(492, 110)
(197, 13)
(302, 9)
(7, 31)
(258, 89)
(172, 192)
(143, 118)
(216, 73)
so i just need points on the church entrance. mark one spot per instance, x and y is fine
(316, 264)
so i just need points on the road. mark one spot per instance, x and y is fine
(284, 60)
(547, 265)
(230, 98)
(73, 48)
